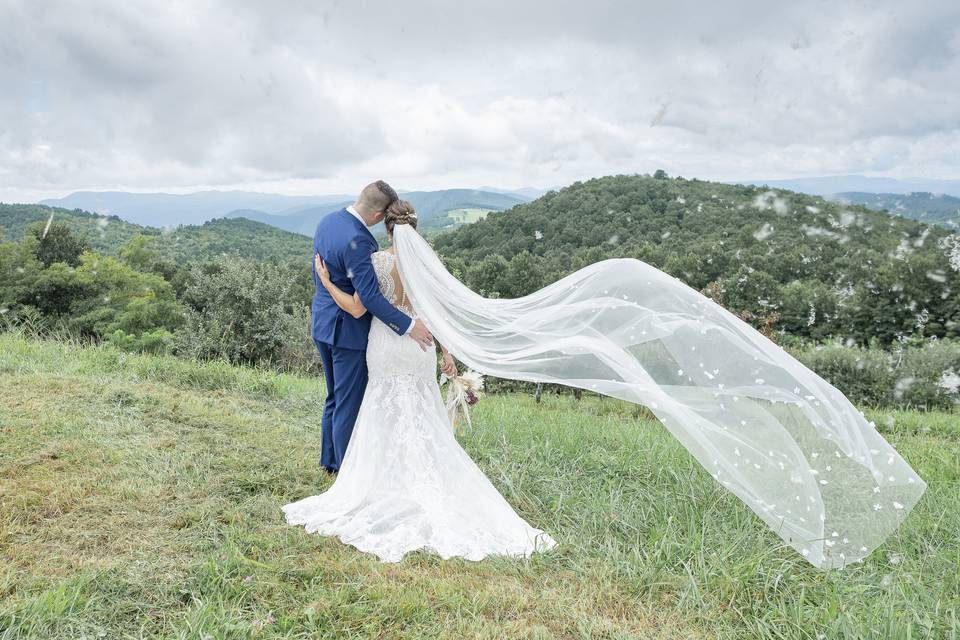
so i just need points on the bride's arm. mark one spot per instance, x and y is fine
(349, 303)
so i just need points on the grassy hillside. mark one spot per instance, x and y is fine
(108, 234)
(140, 497)
(940, 209)
(465, 216)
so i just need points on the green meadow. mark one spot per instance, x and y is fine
(140, 498)
(464, 216)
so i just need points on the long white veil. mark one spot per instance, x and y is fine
(782, 439)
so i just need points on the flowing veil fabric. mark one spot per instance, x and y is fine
(788, 444)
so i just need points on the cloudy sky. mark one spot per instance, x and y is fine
(320, 96)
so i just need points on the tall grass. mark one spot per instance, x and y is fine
(140, 495)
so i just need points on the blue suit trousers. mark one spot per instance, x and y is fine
(345, 371)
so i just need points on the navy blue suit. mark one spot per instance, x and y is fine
(345, 245)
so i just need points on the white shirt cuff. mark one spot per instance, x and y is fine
(413, 321)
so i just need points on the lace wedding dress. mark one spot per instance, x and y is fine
(405, 483)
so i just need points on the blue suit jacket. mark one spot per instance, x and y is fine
(345, 245)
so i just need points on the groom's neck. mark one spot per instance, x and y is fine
(364, 213)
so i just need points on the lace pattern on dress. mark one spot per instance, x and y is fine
(383, 266)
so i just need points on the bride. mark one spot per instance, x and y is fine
(779, 437)
(405, 483)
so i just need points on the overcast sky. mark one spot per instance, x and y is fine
(321, 97)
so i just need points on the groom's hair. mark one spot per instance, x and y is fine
(377, 196)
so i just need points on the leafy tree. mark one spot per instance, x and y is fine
(489, 276)
(810, 308)
(57, 243)
(524, 275)
(119, 298)
(750, 290)
(141, 254)
(19, 268)
(55, 290)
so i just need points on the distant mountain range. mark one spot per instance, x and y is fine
(827, 185)
(432, 208)
(942, 210)
(172, 209)
(530, 193)
(298, 214)
(933, 201)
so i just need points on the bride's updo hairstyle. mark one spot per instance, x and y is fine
(399, 212)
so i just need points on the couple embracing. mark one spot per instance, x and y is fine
(403, 482)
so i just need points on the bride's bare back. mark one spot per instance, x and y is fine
(388, 276)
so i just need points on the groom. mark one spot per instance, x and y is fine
(344, 243)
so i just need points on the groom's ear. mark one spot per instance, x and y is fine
(379, 216)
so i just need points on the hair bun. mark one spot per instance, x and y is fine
(400, 212)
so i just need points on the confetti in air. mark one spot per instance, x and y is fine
(770, 200)
(46, 229)
(950, 381)
(952, 246)
(764, 232)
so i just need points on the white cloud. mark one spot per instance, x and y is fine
(310, 97)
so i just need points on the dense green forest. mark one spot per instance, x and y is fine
(234, 288)
(788, 262)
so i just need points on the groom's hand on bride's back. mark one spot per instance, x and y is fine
(421, 334)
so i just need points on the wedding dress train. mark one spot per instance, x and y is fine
(405, 483)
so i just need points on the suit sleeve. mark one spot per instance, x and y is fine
(360, 271)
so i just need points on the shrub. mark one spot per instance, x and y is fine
(921, 375)
(927, 375)
(247, 311)
(864, 375)
(118, 298)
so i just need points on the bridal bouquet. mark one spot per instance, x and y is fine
(463, 391)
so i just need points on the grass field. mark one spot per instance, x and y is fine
(464, 216)
(140, 498)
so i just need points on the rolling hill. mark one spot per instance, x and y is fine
(939, 209)
(105, 233)
(108, 234)
(233, 236)
(810, 266)
(298, 214)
